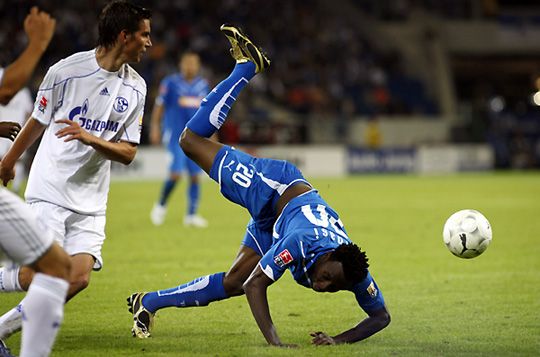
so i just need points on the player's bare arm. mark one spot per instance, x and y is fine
(155, 124)
(39, 27)
(255, 289)
(121, 151)
(26, 137)
(9, 130)
(376, 321)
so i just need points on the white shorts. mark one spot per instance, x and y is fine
(76, 233)
(21, 238)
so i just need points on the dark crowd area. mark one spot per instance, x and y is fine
(323, 63)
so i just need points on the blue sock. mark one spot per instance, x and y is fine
(215, 107)
(168, 187)
(194, 193)
(199, 292)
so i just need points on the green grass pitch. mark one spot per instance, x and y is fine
(441, 305)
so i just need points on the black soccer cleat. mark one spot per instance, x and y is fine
(143, 320)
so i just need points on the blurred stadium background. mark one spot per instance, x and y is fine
(376, 86)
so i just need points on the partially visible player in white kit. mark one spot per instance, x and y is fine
(16, 111)
(89, 108)
(21, 239)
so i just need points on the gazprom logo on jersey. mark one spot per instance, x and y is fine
(91, 124)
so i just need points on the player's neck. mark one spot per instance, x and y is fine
(110, 59)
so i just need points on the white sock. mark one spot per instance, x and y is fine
(9, 279)
(11, 321)
(43, 311)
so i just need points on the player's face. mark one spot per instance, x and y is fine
(190, 65)
(328, 276)
(138, 42)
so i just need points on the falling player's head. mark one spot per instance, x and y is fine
(354, 261)
(340, 269)
(121, 20)
(189, 64)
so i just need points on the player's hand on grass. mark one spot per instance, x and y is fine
(39, 27)
(73, 131)
(321, 338)
(9, 130)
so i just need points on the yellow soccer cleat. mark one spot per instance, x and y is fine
(243, 50)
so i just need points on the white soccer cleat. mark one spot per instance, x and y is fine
(196, 221)
(157, 216)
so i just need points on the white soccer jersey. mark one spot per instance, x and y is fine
(17, 110)
(108, 105)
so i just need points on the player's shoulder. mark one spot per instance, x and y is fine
(133, 79)
(79, 64)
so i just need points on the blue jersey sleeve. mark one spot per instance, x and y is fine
(368, 295)
(281, 256)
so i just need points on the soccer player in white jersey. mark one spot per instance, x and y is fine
(89, 108)
(16, 111)
(22, 240)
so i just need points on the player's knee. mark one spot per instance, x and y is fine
(78, 283)
(232, 286)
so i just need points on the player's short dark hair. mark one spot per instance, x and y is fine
(117, 16)
(354, 261)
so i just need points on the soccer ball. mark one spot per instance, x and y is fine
(467, 233)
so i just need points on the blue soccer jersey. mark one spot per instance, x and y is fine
(254, 183)
(306, 228)
(180, 100)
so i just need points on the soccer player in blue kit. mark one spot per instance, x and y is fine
(179, 98)
(291, 227)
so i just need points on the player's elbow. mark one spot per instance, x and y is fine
(127, 158)
(383, 319)
(186, 141)
(128, 154)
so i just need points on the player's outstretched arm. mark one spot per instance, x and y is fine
(375, 322)
(255, 289)
(121, 151)
(39, 27)
(28, 135)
